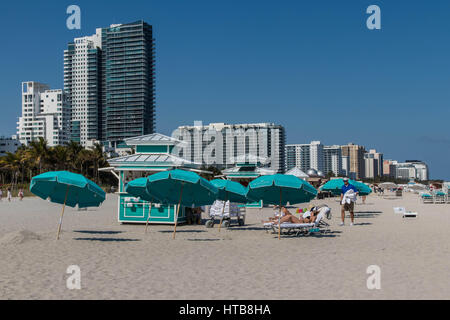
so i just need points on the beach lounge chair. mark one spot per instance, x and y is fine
(439, 197)
(404, 213)
(319, 226)
(427, 198)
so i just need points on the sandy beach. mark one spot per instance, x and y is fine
(121, 262)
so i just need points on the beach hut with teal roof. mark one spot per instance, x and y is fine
(153, 153)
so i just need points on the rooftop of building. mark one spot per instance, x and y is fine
(221, 125)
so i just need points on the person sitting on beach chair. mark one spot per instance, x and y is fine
(286, 216)
(309, 216)
(314, 212)
(284, 211)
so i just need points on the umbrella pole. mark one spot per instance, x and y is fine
(62, 214)
(279, 220)
(223, 211)
(148, 218)
(178, 210)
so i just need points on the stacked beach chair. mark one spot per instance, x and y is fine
(437, 197)
(427, 198)
(440, 197)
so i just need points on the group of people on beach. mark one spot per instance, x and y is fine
(348, 198)
(9, 194)
(309, 216)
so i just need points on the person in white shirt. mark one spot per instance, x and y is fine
(9, 195)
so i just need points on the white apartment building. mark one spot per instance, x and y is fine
(45, 113)
(412, 169)
(332, 160)
(305, 156)
(81, 83)
(373, 163)
(346, 172)
(225, 145)
(370, 166)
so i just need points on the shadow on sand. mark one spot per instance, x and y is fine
(362, 223)
(97, 232)
(365, 214)
(312, 235)
(182, 231)
(108, 239)
(246, 228)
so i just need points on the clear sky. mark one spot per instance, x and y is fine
(312, 66)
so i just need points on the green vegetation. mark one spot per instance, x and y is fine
(17, 169)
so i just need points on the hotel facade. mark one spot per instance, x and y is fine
(109, 81)
(225, 145)
(45, 114)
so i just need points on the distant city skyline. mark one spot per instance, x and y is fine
(312, 67)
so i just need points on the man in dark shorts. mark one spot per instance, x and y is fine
(346, 206)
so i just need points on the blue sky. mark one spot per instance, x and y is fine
(312, 66)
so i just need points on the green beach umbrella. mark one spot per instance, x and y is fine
(229, 191)
(138, 188)
(335, 186)
(67, 188)
(184, 188)
(363, 189)
(281, 189)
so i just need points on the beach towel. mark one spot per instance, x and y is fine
(231, 209)
(349, 197)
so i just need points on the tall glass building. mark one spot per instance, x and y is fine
(128, 80)
(109, 81)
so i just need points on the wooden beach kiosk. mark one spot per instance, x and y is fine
(153, 153)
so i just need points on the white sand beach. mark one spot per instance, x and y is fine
(121, 262)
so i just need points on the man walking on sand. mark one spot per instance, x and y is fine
(348, 198)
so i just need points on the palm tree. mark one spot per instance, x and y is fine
(59, 155)
(39, 152)
(83, 160)
(98, 157)
(73, 150)
(11, 163)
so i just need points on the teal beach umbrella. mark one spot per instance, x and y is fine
(335, 186)
(363, 189)
(281, 189)
(229, 191)
(138, 188)
(184, 188)
(67, 188)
